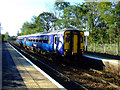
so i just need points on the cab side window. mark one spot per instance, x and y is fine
(68, 38)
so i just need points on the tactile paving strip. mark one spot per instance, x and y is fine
(32, 78)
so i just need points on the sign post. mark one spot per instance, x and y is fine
(86, 34)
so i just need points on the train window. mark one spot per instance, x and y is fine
(44, 41)
(37, 40)
(40, 40)
(33, 40)
(29, 39)
(67, 39)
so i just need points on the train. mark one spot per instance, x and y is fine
(64, 42)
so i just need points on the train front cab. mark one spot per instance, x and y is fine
(73, 43)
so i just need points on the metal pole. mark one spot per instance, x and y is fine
(86, 36)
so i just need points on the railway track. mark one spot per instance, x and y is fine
(75, 75)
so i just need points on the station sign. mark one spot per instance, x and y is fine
(86, 33)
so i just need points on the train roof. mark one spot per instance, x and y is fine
(20, 37)
(61, 31)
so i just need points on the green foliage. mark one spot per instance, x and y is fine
(30, 27)
(61, 5)
(101, 19)
(6, 37)
(3, 38)
(44, 20)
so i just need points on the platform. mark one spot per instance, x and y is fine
(18, 73)
(111, 64)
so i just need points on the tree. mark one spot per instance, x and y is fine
(6, 37)
(107, 17)
(45, 21)
(25, 28)
(18, 34)
(60, 5)
(92, 20)
(3, 38)
(29, 27)
(116, 12)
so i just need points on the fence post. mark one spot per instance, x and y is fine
(117, 48)
(104, 48)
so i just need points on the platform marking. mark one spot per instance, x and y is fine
(107, 60)
(51, 79)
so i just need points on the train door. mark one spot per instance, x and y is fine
(76, 42)
(55, 43)
(67, 42)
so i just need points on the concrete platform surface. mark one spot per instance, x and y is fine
(110, 64)
(18, 73)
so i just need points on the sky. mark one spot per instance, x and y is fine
(13, 13)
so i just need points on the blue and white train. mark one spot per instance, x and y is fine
(65, 42)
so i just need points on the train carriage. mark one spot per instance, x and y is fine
(20, 40)
(66, 42)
